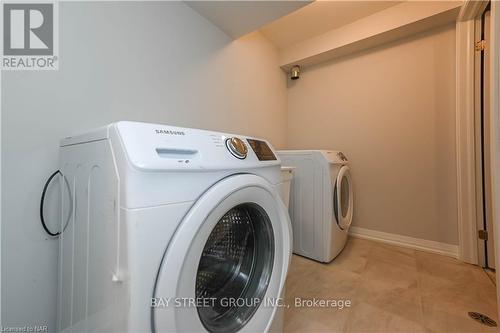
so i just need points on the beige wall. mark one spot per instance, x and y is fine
(392, 111)
(149, 61)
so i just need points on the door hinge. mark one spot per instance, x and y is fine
(481, 45)
(482, 234)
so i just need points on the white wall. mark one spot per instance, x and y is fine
(391, 109)
(157, 62)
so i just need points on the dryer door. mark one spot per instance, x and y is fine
(343, 198)
(225, 267)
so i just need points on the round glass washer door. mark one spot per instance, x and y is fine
(343, 198)
(233, 244)
(235, 268)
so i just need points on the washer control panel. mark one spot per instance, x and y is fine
(161, 147)
(237, 147)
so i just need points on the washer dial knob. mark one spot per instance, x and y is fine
(237, 147)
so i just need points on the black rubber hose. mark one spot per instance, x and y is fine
(42, 200)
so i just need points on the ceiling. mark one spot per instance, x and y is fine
(319, 17)
(237, 18)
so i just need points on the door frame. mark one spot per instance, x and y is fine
(467, 210)
(483, 144)
(495, 129)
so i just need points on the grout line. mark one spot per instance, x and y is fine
(422, 321)
(489, 276)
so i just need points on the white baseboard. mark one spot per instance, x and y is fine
(405, 241)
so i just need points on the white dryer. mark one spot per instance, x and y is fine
(321, 205)
(171, 230)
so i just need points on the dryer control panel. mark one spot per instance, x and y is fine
(334, 156)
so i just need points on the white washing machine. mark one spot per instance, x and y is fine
(286, 184)
(171, 230)
(321, 202)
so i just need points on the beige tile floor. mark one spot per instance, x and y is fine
(392, 289)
